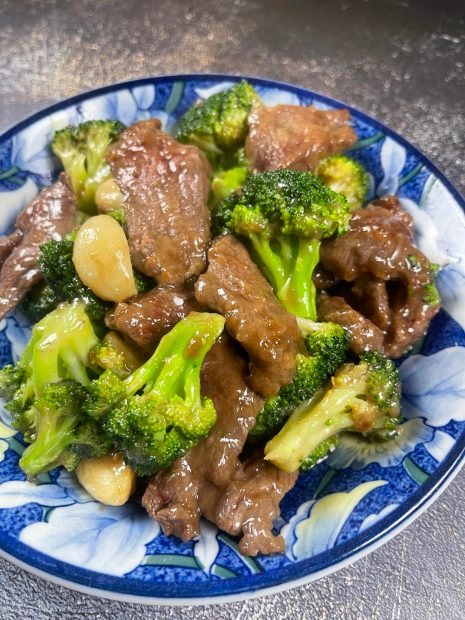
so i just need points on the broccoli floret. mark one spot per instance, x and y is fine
(226, 182)
(104, 356)
(41, 300)
(46, 389)
(11, 378)
(284, 214)
(143, 283)
(327, 345)
(363, 397)
(118, 215)
(218, 126)
(158, 413)
(431, 296)
(346, 176)
(329, 340)
(82, 151)
(59, 272)
(62, 435)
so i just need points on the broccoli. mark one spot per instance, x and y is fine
(40, 301)
(225, 182)
(46, 389)
(57, 267)
(62, 434)
(82, 151)
(105, 356)
(218, 126)
(327, 345)
(363, 397)
(347, 176)
(143, 283)
(157, 413)
(284, 214)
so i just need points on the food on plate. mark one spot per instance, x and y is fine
(212, 310)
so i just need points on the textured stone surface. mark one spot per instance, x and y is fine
(401, 61)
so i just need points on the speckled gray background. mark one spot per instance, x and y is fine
(402, 61)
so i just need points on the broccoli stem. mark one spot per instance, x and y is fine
(49, 444)
(311, 425)
(290, 271)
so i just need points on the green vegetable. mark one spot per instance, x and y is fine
(157, 413)
(218, 125)
(285, 214)
(57, 267)
(82, 151)
(327, 345)
(363, 397)
(346, 176)
(104, 356)
(226, 182)
(46, 390)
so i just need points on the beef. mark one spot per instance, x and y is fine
(296, 137)
(172, 496)
(8, 244)
(234, 286)
(51, 215)
(364, 334)
(145, 319)
(389, 280)
(165, 186)
(249, 505)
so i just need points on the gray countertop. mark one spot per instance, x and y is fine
(399, 60)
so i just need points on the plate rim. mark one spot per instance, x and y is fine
(351, 550)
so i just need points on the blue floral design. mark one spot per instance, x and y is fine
(317, 524)
(433, 386)
(392, 157)
(14, 202)
(80, 531)
(30, 148)
(357, 451)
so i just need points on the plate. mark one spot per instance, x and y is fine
(343, 508)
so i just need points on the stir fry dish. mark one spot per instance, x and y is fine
(212, 310)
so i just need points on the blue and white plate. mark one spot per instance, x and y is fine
(345, 507)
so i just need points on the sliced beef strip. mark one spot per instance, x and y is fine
(364, 334)
(372, 300)
(296, 137)
(172, 496)
(249, 505)
(234, 286)
(165, 186)
(390, 278)
(51, 215)
(146, 318)
(8, 244)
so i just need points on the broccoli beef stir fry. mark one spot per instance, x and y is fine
(224, 311)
